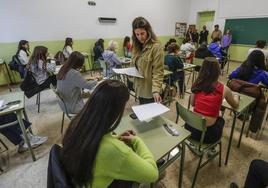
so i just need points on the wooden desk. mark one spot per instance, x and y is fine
(244, 104)
(20, 112)
(157, 139)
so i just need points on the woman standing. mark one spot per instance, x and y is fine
(148, 58)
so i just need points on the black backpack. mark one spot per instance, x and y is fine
(14, 63)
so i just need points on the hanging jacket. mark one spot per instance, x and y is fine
(252, 90)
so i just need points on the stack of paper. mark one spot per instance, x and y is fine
(2, 105)
(131, 71)
(147, 111)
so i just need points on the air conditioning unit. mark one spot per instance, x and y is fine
(107, 20)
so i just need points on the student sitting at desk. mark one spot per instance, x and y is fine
(98, 49)
(127, 47)
(207, 96)
(68, 47)
(94, 156)
(203, 52)
(14, 133)
(215, 48)
(111, 58)
(41, 69)
(252, 70)
(70, 82)
(188, 48)
(23, 53)
(174, 63)
(260, 45)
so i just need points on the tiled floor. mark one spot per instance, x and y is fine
(23, 172)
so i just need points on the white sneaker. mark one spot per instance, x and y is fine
(35, 141)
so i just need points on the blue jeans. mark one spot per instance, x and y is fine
(13, 133)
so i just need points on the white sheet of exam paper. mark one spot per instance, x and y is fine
(131, 71)
(149, 111)
(2, 103)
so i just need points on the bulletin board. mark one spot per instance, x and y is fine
(180, 29)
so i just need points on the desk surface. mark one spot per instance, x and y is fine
(198, 61)
(12, 97)
(154, 135)
(244, 102)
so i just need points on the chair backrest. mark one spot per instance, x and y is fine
(61, 102)
(104, 67)
(56, 175)
(194, 120)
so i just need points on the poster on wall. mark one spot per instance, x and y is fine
(180, 29)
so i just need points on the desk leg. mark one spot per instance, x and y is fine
(230, 139)
(181, 165)
(19, 116)
(242, 129)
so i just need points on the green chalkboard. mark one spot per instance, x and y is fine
(248, 30)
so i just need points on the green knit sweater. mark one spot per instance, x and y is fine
(116, 160)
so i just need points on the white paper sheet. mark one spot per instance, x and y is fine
(131, 71)
(148, 111)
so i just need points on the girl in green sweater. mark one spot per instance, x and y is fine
(95, 157)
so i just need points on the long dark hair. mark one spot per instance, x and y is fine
(101, 115)
(126, 40)
(68, 42)
(207, 77)
(75, 61)
(39, 53)
(21, 47)
(255, 59)
(100, 42)
(142, 23)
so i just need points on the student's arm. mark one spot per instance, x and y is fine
(139, 165)
(264, 78)
(234, 74)
(82, 83)
(115, 59)
(179, 63)
(23, 57)
(232, 99)
(192, 99)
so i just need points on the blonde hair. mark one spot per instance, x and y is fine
(112, 45)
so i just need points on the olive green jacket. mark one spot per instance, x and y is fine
(150, 63)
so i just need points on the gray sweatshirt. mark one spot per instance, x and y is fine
(70, 89)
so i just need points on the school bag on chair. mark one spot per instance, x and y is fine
(254, 91)
(29, 85)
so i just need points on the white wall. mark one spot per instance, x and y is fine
(228, 9)
(38, 20)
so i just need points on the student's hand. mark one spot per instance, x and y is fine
(157, 97)
(127, 136)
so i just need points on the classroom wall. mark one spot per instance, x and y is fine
(49, 22)
(54, 20)
(226, 9)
